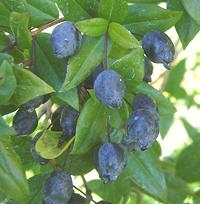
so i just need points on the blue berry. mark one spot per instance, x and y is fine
(109, 89)
(65, 40)
(58, 188)
(148, 70)
(111, 160)
(158, 47)
(143, 129)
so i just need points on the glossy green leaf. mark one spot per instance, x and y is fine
(192, 7)
(114, 192)
(84, 62)
(165, 122)
(117, 51)
(12, 176)
(48, 145)
(4, 13)
(160, 99)
(187, 160)
(19, 26)
(130, 66)
(186, 27)
(177, 189)
(144, 171)
(121, 36)
(41, 11)
(7, 82)
(91, 126)
(70, 97)
(29, 86)
(74, 10)
(5, 129)
(191, 130)
(118, 117)
(49, 68)
(7, 57)
(93, 27)
(113, 10)
(142, 18)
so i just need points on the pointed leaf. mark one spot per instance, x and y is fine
(84, 62)
(29, 86)
(93, 27)
(142, 18)
(6, 130)
(144, 171)
(91, 126)
(122, 36)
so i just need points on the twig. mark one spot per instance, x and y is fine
(48, 25)
(138, 196)
(53, 164)
(88, 191)
(105, 60)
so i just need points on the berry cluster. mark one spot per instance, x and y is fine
(109, 89)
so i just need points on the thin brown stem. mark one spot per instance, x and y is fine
(88, 191)
(105, 60)
(48, 25)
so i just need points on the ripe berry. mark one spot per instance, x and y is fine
(68, 121)
(58, 188)
(148, 70)
(36, 102)
(65, 40)
(143, 129)
(158, 47)
(25, 121)
(109, 89)
(142, 101)
(37, 157)
(111, 160)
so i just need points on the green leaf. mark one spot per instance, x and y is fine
(47, 145)
(142, 18)
(114, 192)
(19, 26)
(49, 68)
(121, 36)
(84, 62)
(113, 10)
(70, 97)
(144, 171)
(118, 117)
(36, 184)
(130, 66)
(193, 8)
(177, 189)
(186, 27)
(165, 122)
(12, 176)
(5, 130)
(145, 1)
(160, 99)
(191, 130)
(188, 165)
(41, 12)
(74, 10)
(93, 27)
(29, 86)
(117, 51)
(7, 82)
(7, 57)
(91, 126)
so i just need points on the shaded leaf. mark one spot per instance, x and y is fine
(5, 129)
